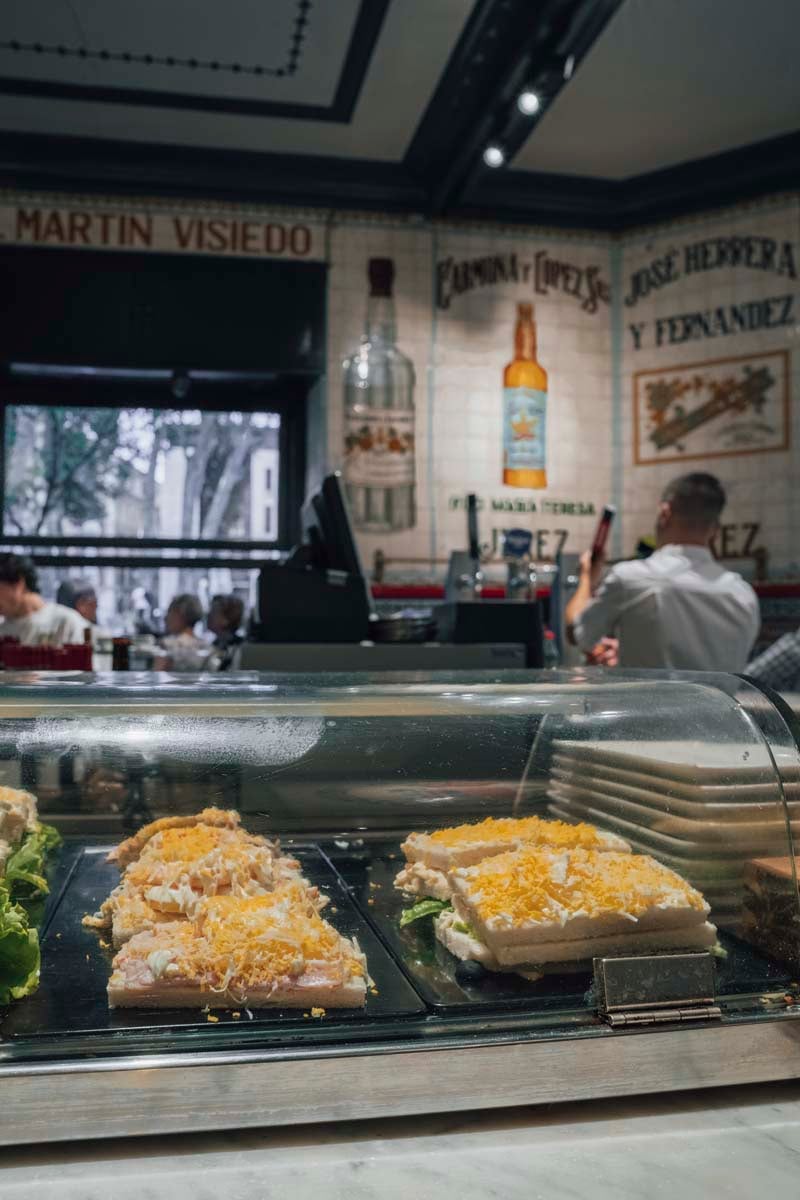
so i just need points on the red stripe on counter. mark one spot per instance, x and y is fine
(430, 591)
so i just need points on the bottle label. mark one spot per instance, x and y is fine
(524, 429)
(379, 447)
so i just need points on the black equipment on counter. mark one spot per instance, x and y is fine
(496, 621)
(320, 594)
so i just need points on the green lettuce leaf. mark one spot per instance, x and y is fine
(19, 951)
(423, 908)
(24, 874)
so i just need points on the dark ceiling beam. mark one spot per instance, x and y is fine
(715, 181)
(506, 45)
(83, 165)
(610, 205)
(538, 198)
(136, 169)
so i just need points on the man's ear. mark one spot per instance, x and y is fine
(663, 514)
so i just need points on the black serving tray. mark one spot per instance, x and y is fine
(431, 968)
(435, 973)
(71, 1003)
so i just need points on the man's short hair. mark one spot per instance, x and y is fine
(72, 591)
(189, 607)
(230, 608)
(696, 499)
(84, 590)
(14, 567)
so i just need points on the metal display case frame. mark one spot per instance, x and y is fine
(354, 808)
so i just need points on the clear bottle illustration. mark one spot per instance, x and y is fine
(525, 409)
(379, 460)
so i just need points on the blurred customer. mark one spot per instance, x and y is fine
(66, 593)
(225, 616)
(80, 595)
(184, 651)
(146, 612)
(779, 665)
(678, 609)
(30, 618)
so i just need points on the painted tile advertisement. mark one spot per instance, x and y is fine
(491, 359)
(710, 314)
(548, 373)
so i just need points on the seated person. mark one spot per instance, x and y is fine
(224, 620)
(30, 618)
(678, 609)
(80, 595)
(184, 651)
(779, 665)
(85, 601)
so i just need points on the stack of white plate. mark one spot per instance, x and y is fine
(702, 809)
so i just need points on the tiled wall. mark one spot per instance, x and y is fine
(459, 353)
(763, 487)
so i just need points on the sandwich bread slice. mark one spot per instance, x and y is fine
(540, 906)
(258, 950)
(129, 850)
(431, 856)
(18, 814)
(180, 867)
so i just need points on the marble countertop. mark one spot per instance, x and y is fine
(735, 1143)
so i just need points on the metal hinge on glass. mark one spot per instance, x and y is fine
(655, 989)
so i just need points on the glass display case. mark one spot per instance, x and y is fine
(694, 777)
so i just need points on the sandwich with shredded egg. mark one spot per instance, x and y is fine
(25, 844)
(181, 866)
(18, 814)
(540, 907)
(431, 856)
(269, 950)
(129, 850)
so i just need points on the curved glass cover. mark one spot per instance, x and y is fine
(700, 773)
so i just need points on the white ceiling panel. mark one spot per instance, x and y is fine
(669, 81)
(412, 50)
(281, 51)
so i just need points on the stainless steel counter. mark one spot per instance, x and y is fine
(733, 1144)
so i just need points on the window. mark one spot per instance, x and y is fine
(134, 472)
(150, 482)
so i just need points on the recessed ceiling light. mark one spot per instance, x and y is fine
(528, 103)
(494, 155)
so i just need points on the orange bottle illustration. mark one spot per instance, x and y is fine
(525, 409)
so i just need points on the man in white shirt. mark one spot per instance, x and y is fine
(27, 616)
(678, 609)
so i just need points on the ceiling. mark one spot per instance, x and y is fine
(669, 81)
(290, 106)
(390, 103)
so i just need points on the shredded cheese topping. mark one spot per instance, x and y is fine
(242, 942)
(523, 829)
(201, 858)
(542, 885)
(219, 909)
(187, 845)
